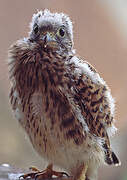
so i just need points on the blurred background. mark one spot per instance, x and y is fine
(100, 36)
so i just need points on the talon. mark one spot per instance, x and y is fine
(25, 176)
(64, 173)
(60, 174)
(47, 173)
(22, 177)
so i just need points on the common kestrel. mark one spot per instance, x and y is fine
(60, 100)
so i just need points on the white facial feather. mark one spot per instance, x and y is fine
(58, 19)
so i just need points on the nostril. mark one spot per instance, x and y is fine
(45, 39)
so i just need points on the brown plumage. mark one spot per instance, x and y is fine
(60, 100)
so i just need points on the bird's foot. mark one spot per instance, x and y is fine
(47, 173)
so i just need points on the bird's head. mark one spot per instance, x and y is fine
(52, 30)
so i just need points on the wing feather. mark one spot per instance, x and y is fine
(96, 103)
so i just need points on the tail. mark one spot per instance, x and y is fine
(112, 159)
(110, 156)
(115, 159)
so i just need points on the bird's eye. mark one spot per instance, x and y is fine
(61, 32)
(36, 29)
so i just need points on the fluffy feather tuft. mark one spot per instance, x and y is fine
(44, 17)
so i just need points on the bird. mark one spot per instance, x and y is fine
(60, 100)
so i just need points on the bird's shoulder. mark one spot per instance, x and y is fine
(93, 97)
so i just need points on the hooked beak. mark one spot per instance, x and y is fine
(49, 40)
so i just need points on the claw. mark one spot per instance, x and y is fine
(47, 173)
(25, 176)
